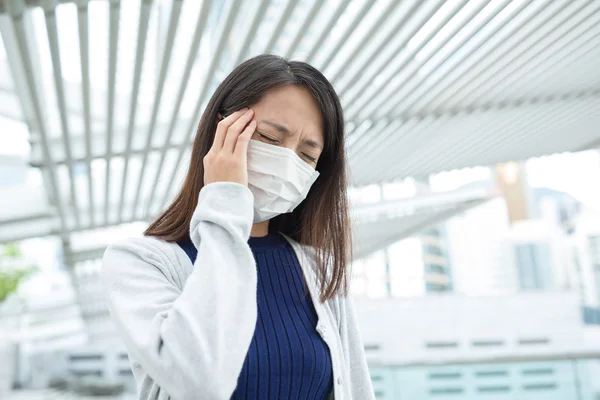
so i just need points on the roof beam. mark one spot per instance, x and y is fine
(25, 48)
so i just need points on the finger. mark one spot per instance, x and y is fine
(235, 130)
(222, 127)
(241, 146)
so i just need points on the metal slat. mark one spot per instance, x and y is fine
(358, 18)
(164, 67)
(366, 38)
(382, 138)
(145, 7)
(360, 91)
(515, 127)
(16, 9)
(560, 65)
(539, 132)
(375, 51)
(82, 20)
(50, 16)
(219, 47)
(459, 72)
(308, 21)
(113, 44)
(412, 146)
(363, 136)
(327, 29)
(413, 139)
(480, 64)
(283, 19)
(387, 102)
(554, 64)
(503, 152)
(361, 158)
(496, 123)
(198, 33)
(242, 51)
(552, 41)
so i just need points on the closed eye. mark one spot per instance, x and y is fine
(267, 138)
(310, 158)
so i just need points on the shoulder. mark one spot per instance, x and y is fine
(148, 248)
(140, 255)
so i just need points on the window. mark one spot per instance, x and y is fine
(435, 268)
(493, 389)
(527, 266)
(540, 386)
(86, 357)
(533, 341)
(372, 347)
(491, 374)
(432, 250)
(445, 375)
(537, 372)
(447, 390)
(436, 287)
(487, 343)
(441, 345)
(87, 372)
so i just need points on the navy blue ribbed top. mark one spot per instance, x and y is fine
(287, 358)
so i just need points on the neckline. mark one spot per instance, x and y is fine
(270, 240)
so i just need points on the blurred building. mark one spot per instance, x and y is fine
(526, 346)
(437, 266)
(584, 271)
(437, 269)
(540, 255)
(481, 259)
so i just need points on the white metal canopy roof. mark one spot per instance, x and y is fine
(111, 91)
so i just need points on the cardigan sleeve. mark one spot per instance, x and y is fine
(192, 340)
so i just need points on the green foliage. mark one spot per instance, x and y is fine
(11, 250)
(10, 278)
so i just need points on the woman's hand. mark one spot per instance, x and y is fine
(227, 159)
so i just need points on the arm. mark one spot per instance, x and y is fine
(354, 351)
(191, 342)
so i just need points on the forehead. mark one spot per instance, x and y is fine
(294, 107)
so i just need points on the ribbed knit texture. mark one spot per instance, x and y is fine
(287, 358)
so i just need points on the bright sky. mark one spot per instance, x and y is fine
(575, 173)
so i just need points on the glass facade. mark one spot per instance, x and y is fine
(530, 380)
(533, 261)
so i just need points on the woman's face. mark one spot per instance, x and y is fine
(289, 116)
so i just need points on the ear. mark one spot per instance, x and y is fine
(219, 117)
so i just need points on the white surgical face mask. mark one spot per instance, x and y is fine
(278, 179)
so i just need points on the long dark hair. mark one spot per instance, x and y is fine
(321, 221)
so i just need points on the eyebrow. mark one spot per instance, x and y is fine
(282, 129)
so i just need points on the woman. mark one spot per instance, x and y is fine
(238, 290)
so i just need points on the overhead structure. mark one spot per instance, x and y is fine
(379, 225)
(110, 91)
